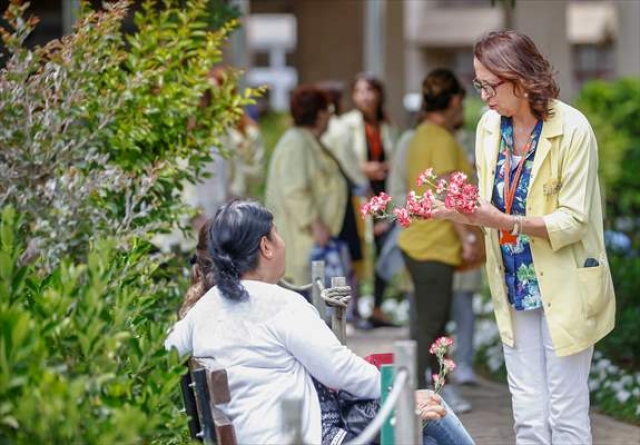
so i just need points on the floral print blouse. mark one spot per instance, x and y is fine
(520, 274)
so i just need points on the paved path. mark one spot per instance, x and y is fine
(490, 422)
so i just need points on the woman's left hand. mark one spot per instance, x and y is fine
(485, 215)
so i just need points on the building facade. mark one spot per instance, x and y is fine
(286, 42)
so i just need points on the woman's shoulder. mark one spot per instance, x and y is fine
(272, 292)
(490, 120)
(352, 118)
(429, 133)
(271, 300)
(291, 140)
(209, 299)
(569, 116)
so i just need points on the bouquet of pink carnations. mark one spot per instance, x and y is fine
(440, 348)
(455, 193)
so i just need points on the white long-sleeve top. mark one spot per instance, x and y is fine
(271, 345)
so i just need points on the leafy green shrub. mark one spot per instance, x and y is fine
(81, 348)
(612, 109)
(623, 344)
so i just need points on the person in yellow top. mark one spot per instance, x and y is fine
(432, 249)
(547, 266)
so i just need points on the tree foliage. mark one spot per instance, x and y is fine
(98, 132)
(101, 129)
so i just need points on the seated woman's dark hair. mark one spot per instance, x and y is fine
(305, 104)
(234, 244)
(438, 88)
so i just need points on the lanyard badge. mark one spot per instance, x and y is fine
(506, 237)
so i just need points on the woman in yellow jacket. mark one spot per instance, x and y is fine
(547, 267)
(306, 190)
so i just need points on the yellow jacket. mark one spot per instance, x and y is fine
(304, 184)
(579, 302)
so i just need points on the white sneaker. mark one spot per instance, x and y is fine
(454, 399)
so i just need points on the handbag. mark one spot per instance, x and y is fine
(343, 415)
(357, 413)
(335, 254)
(471, 265)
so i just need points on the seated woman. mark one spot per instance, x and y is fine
(271, 341)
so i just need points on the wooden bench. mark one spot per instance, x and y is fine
(204, 387)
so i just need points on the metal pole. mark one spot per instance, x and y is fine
(239, 43)
(338, 319)
(507, 9)
(317, 273)
(407, 425)
(70, 9)
(374, 36)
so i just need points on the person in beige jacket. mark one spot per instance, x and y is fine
(306, 189)
(371, 137)
(537, 161)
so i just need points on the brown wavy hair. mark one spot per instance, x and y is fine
(201, 271)
(305, 104)
(377, 85)
(514, 57)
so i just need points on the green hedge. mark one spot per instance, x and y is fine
(81, 348)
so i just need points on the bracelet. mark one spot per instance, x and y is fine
(517, 226)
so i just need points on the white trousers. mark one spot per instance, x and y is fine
(550, 394)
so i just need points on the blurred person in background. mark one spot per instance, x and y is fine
(307, 190)
(372, 140)
(339, 139)
(235, 164)
(465, 282)
(243, 168)
(433, 249)
(547, 267)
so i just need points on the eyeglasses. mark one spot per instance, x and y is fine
(488, 88)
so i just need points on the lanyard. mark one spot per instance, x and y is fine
(510, 188)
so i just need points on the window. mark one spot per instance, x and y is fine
(593, 62)
(466, 3)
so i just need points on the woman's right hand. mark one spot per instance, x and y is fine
(320, 232)
(375, 171)
(429, 405)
